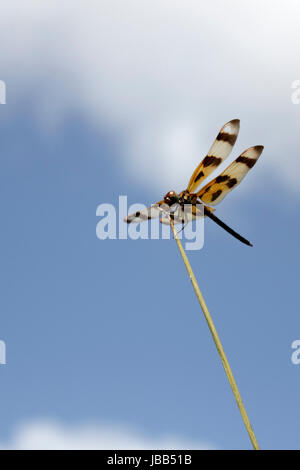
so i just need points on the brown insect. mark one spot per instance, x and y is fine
(174, 205)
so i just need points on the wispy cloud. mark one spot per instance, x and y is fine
(165, 75)
(46, 434)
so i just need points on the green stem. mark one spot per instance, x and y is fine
(217, 341)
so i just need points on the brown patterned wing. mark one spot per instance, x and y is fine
(215, 191)
(217, 153)
(184, 214)
(151, 212)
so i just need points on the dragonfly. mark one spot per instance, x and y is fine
(201, 202)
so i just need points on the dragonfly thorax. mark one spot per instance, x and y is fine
(185, 197)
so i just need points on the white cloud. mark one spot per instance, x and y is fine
(165, 74)
(45, 435)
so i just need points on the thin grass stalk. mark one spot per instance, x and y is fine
(217, 341)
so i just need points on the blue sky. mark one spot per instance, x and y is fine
(105, 335)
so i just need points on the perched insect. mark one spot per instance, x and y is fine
(173, 205)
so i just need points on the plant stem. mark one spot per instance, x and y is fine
(217, 341)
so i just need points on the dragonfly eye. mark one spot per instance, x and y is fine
(171, 198)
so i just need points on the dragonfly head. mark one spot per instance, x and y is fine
(171, 198)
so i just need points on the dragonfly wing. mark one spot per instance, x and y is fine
(217, 153)
(215, 191)
(151, 212)
(184, 214)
